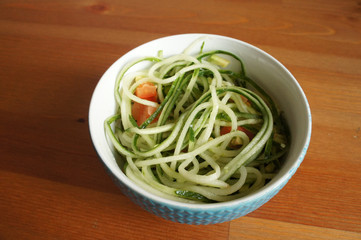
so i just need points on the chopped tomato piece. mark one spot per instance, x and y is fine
(147, 91)
(245, 100)
(140, 112)
(225, 130)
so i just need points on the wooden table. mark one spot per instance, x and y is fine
(52, 185)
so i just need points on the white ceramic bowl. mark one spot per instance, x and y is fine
(270, 74)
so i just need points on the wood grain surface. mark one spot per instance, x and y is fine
(53, 186)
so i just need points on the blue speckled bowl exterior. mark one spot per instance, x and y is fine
(197, 216)
(200, 216)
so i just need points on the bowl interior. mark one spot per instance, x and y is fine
(261, 67)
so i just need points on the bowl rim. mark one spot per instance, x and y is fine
(266, 190)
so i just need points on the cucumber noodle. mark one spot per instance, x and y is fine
(182, 155)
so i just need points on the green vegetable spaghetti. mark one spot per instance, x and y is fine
(192, 130)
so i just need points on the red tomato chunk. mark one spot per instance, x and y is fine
(140, 112)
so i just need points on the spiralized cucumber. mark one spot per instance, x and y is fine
(182, 152)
